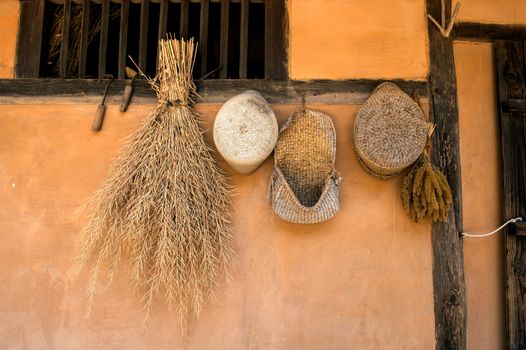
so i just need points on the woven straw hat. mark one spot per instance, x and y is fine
(304, 183)
(245, 131)
(390, 132)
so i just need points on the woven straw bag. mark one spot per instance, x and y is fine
(390, 132)
(304, 184)
(245, 131)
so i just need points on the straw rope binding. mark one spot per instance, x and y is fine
(304, 183)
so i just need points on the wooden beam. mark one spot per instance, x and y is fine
(223, 46)
(511, 70)
(84, 38)
(449, 288)
(36, 91)
(29, 42)
(487, 32)
(123, 38)
(103, 43)
(64, 46)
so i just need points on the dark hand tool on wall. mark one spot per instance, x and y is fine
(101, 108)
(128, 89)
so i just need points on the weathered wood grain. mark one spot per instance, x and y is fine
(448, 259)
(212, 91)
(488, 32)
(510, 56)
(29, 39)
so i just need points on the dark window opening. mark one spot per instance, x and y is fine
(234, 53)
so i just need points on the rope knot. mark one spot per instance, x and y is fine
(176, 103)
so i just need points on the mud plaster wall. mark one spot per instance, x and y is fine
(342, 39)
(362, 280)
(9, 29)
(481, 194)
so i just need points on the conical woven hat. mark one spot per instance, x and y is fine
(390, 132)
(304, 184)
(245, 131)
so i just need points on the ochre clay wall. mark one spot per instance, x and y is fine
(8, 32)
(481, 194)
(362, 280)
(342, 39)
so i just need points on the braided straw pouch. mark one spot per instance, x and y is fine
(304, 185)
(390, 132)
(245, 131)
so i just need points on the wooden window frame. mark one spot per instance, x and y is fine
(29, 41)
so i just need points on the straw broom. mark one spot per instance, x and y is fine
(165, 205)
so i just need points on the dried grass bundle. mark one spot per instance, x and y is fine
(165, 205)
(95, 25)
(425, 191)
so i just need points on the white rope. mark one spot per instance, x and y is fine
(465, 234)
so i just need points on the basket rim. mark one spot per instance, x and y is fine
(329, 182)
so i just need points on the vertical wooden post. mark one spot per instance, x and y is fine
(185, 9)
(29, 39)
(511, 69)
(163, 21)
(223, 47)
(143, 36)
(103, 44)
(243, 40)
(64, 46)
(123, 37)
(276, 39)
(203, 35)
(448, 258)
(84, 38)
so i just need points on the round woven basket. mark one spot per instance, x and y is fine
(390, 132)
(245, 131)
(304, 184)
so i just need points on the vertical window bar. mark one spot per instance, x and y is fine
(64, 46)
(269, 43)
(163, 20)
(123, 37)
(275, 52)
(243, 40)
(203, 34)
(143, 37)
(185, 9)
(223, 49)
(30, 39)
(84, 33)
(103, 44)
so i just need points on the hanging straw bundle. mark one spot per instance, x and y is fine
(165, 205)
(425, 191)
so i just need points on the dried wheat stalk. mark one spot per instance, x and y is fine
(425, 191)
(165, 205)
